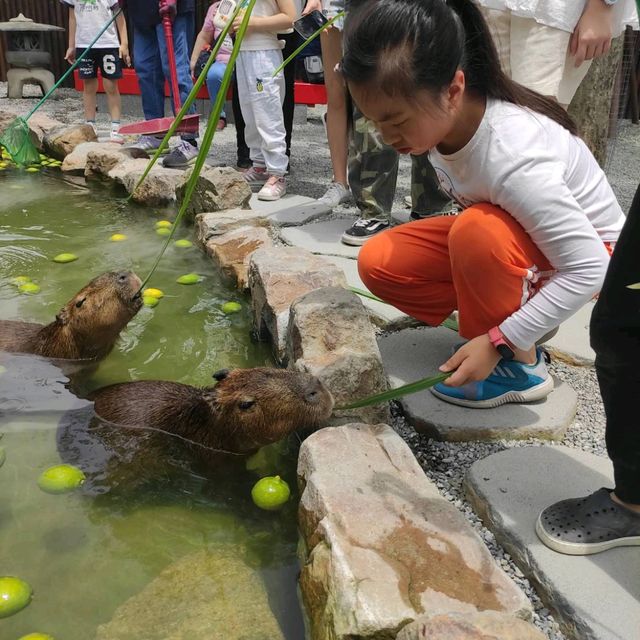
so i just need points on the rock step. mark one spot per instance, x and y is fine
(593, 597)
(411, 354)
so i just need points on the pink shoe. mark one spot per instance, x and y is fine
(274, 188)
(255, 175)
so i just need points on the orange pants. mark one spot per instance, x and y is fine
(481, 262)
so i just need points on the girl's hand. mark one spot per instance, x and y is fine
(192, 67)
(592, 36)
(312, 5)
(235, 27)
(474, 361)
(124, 54)
(70, 55)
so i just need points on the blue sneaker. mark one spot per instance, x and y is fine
(509, 382)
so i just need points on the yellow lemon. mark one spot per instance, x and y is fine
(189, 278)
(29, 287)
(63, 258)
(231, 307)
(36, 636)
(15, 594)
(32, 169)
(164, 224)
(61, 478)
(183, 243)
(270, 493)
(153, 293)
(19, 280)
(162, 231)
(150, 301)
(118, 237)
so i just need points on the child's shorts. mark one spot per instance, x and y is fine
(107, 60)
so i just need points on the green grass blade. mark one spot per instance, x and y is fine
(313, 36)
(209, 133)
(392, 394)
(366, 294)
(634, 286)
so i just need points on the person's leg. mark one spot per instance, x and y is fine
(291, 41)
(244, 159)
(427, 199)
(214, 81)
(148, 66)
(111, 70)
(499, 23)
(89, 99)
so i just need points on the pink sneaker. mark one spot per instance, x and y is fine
(255, 175)
(274, 188)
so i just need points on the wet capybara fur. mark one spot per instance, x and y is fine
(86, 328)
(141, 431)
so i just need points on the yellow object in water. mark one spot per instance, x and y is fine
(63, 258)
(163, 231)
(153, 293)
(189, 278)
(183, 243)
(32, 169)
(270, 493)
(15, 595)
(20, 280)
(231, 307)
(61, 478)
(150, 301)
(164, 224)
(36, 636)
(29, 287)
(118, 237)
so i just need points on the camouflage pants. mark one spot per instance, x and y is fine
(373, 170)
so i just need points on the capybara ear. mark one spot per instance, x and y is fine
(221, 375)
(62, 317)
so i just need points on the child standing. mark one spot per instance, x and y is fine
(86, 19)
(261, 95)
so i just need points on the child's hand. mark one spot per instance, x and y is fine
(235, 27)
(70, 56)
(474, 361)
(124, 54)
(312, 5)
(592, 36)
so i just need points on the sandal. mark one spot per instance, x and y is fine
(582, 526)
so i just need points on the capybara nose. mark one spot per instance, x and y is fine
(313, 391)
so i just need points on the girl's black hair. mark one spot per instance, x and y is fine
(403, 46)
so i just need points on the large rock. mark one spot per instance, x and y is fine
(211, 224)
(62, 141)
(384, 547)
(41, 125)
(208, 595)
(159, 187)
(276, 278)
(486, 625)
(232, 251)
(330, 335)
(217, 189)
(76, 161)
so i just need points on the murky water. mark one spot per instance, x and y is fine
(86, 557)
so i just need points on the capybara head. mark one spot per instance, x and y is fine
(255, 407)
(93, 319)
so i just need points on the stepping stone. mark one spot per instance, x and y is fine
(594, 597)
(321, 237)
(412, 354)
(571, 343)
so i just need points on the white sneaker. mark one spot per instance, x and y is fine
(116, 136)
(274, 188)
(336, 194)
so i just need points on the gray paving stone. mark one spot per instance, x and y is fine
(594, 597)
(571, 343)
(321, 237)
(411, 354)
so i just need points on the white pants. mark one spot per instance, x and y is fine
(535, 55)
(261, 96)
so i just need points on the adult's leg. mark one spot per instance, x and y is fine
(241, 145)
(214, 81)
(291, 41)
(148, 66)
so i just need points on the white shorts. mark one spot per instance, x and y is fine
(535, 55)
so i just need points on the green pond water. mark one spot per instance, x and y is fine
(84, 556)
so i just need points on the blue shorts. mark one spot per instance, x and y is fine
(107, 60)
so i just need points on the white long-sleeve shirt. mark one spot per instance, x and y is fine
(549, 181)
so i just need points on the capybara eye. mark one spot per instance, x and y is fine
(80, 302)
(122, 277)
(246, 404)
(221, 375)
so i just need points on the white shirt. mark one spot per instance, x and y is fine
(563, 14)
(263, 40)
(549, 181)
(91, 16)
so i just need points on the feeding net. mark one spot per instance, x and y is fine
(16, 139)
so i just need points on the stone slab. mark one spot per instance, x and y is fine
(571, 343)
(411, 354)
(321, 237)
(594, 597)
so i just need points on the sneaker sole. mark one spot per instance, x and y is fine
(539, 392)
(353, 241)
(179, 166)
(582, 549)
(271, 198)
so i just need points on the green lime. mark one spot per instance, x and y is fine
(153, 293)
(15, 594)
(118, 237)
(20, 280)
(150, 301)
(270, 493)
(36, 636)
(63, 258)
(29, 287)
(183, 244)
(164, 224)
(61, 479)
(32, 169)
(163, 231)
(231, 307)
(189, 278)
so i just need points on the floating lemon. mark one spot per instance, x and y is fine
(19, 280)
(189, 278)
(153, 293)
(164, 224)
(163, 231)
(36, 636)
(32, 169)
(29, 287)
(150, 301)
(63, 258)
(231, 307)
(3, 164)
(118, 237)
(183, 243)
(15, 594)
(270, 493)
(61, 479)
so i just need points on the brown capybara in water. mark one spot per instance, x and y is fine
(86, 328)
(138, 431)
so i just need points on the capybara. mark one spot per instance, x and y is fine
(86, 328)
(140, 431)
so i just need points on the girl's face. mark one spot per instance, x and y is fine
(413, 124)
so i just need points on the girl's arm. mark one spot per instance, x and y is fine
(124, 39)
(592, 36)
(70, 56)
(274, 24)
(204, 38)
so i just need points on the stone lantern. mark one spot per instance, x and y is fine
(26, 55)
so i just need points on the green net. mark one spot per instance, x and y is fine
(16, 139)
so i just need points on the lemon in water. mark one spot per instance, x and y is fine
(189, 278)
(61, 479)
(63, 258)
(15, 594)
(164, 224)
(231, 307)
(29, 287)
(153, 293)
(270, 493)
(36, 636)
(118, 237)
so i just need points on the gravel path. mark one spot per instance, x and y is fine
(444, 463)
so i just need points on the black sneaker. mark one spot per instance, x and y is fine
(181, 156)
(454, 211)
(361, 230)
(244, 163)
